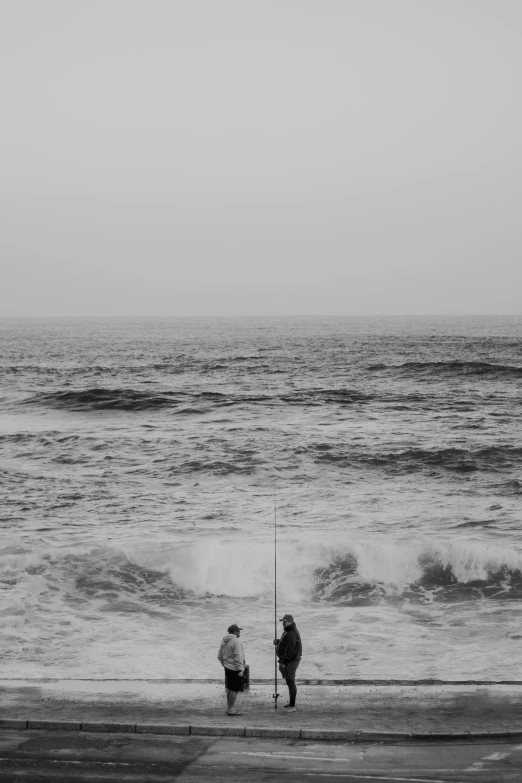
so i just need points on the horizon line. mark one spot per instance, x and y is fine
(271, 315)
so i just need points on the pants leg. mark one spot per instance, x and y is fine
(231, 700)
(288, 673)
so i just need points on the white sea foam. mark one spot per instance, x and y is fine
(244, 567)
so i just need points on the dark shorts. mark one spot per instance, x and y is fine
(233, 682)
(288, 671)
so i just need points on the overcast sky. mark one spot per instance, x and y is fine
(223, 157)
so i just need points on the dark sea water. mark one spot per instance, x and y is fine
(138, 464)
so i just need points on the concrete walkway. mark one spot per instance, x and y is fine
(486, 710)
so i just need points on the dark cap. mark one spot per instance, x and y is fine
(233, 628)
(287, 617)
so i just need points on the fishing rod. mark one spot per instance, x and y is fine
(275, 695)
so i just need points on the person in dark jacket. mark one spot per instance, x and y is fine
(289, 651)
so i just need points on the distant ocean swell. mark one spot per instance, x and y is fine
(105, 580)
(447, 369)
(127, 399)
(183, 364)
(184, 402)
(491, 458)
(221, 457)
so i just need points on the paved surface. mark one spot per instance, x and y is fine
(449, 708)
(50, 757)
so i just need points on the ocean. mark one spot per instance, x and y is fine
(142, 461)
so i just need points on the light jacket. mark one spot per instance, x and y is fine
(232, 653)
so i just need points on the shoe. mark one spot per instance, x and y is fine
(234, 713)
(289, 708)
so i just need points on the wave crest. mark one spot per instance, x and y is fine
(347, 574)
(452, 368)
(490, 458)
(105, 399)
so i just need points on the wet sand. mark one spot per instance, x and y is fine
(360, 708)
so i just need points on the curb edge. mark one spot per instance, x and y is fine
(316, 734)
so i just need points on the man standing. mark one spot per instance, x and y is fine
(232, 657)
(289, 651)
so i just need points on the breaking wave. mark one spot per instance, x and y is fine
(353, 574)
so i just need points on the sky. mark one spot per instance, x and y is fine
(260, 157)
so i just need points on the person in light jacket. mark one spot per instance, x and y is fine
(231, 655)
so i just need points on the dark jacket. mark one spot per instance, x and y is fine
(290, 647)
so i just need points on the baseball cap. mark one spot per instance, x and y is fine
(234, 627)
(287, 617)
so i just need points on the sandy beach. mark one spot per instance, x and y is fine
(359, 708)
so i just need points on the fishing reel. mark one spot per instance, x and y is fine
(276, 697)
